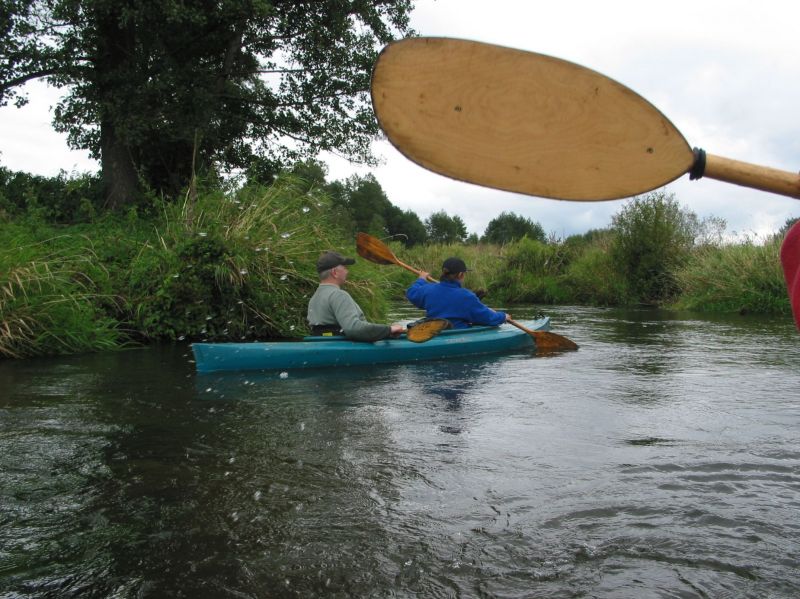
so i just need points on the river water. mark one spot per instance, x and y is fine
(660, 460)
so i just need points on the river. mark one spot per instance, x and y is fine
(662, 459)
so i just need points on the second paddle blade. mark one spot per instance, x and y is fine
(522, 122)
(373, 249)
(427, 329)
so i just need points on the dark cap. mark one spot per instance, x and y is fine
(453, 266)
(331, 259)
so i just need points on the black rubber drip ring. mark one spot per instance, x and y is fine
(699, 166)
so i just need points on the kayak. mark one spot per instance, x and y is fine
(321, 352)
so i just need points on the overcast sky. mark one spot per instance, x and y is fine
(725, 72)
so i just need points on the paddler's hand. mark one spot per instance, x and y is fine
(424, 275)
(396, 329)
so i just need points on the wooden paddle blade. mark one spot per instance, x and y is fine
(545, 340)
(522, 122)
(549, 342)
(374, 250)
(427, 329)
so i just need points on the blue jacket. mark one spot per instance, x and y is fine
(450, 300)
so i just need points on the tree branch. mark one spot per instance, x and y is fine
(7, 85)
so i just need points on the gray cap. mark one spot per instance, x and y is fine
(331, 259)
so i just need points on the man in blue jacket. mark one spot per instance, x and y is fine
(449, 299)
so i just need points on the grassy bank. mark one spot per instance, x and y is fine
(217, 266)
(240, 265)
(740, 278)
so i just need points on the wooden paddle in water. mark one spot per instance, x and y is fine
(373, 249)
(537, 125)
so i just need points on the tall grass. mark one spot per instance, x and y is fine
(593, 277)
(50, 300)
(224, 264)
(218, 265)
(532, 272)
(743, 278)
(238, 266)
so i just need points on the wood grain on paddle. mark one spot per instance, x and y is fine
(535, 124)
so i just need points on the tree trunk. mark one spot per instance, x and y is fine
(120, 179)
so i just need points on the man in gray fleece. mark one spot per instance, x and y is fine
(331, 310)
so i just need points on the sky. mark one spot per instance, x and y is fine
(726, 73)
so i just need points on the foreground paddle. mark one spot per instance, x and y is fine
(537, 125)
(427, 329)
(374, 250)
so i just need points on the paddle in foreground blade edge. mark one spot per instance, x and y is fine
(522, 122)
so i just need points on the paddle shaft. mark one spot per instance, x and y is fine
(752, 175)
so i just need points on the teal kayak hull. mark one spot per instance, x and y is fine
(321, 352)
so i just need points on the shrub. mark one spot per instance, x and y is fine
(234, 266)
(510, 227)
(62, 199)
(653, 238)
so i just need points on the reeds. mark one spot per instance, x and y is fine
(239, 265)
(49, 305)
(743, 278)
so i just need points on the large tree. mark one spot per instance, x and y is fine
(157, 89)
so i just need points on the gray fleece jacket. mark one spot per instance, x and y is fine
(331, 305)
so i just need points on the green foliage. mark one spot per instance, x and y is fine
(232, 264)
(744, 278)
(445, 229)
(235, 266)
(51, 295)
(532, 272)
(592, 278)
(653, 238)
(406, 226)
(309, 174)
(786, 226)
(510, 227)
(360, 204)
(221, 265)
(160, 90)
(367, 204)
(60, 199)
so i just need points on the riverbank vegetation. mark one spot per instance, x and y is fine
(219, 264)
(161, 246)
(236, 261)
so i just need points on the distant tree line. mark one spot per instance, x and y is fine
(362, 205)
(359, 203)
